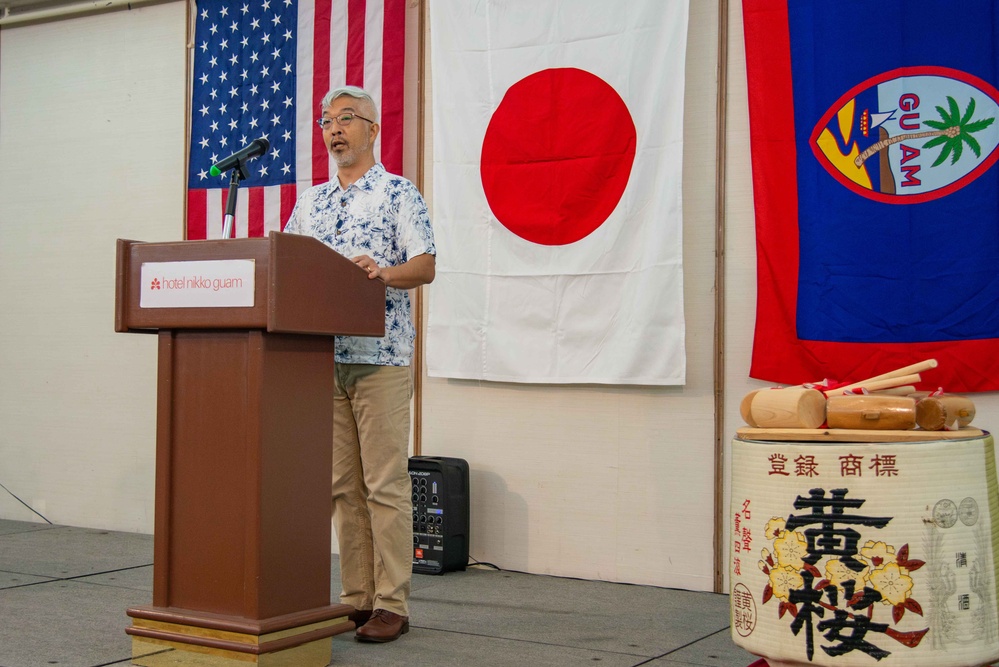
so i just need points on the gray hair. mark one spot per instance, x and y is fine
(351, 91)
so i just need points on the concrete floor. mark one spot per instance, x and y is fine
(64, 591)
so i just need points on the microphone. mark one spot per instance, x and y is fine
(253, 149)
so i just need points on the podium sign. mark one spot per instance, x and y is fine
(212, 283)
(241, 566)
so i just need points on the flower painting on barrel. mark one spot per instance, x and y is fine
(828, 582)
(910, 135)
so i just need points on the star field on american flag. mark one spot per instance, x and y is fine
(244, 88)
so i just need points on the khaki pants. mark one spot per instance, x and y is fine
(372, 502)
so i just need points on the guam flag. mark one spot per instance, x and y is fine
(874, 142)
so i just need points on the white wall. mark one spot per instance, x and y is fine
(91, 150)
(598, 482)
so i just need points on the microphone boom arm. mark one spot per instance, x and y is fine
(237, 163)
(238, 173)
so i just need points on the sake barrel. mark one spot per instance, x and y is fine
(847, 554)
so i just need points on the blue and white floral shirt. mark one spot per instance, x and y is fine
(383, 216)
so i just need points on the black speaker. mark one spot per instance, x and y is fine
(440, 514)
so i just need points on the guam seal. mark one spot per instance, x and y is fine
(910, 135)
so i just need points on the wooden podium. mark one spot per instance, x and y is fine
(241, 566)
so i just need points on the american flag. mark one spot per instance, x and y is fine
(261, 69)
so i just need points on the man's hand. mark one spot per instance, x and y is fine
(420, 270)
(369, 265)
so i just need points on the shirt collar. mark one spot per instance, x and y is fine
(365, 183)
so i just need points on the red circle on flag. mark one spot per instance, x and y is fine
(557, 155)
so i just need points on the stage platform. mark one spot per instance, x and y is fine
(64, 591)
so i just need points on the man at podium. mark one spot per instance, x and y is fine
(380, 221)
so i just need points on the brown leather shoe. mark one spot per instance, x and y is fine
(384, 626)
(359, 617)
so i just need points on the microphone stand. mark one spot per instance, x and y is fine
(238, 173)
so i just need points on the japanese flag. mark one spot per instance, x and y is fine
(557, 191)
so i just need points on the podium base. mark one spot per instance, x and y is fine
(204, 642)
(156, 653)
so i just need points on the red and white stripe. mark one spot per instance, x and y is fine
(340, 42)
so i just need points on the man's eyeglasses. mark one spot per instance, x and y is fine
(343, 120)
